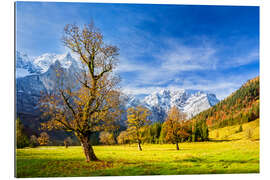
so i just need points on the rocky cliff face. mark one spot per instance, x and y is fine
(35, 76)
(41, 78)
(190, 102)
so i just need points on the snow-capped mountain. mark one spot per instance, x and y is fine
(190, 102)
(160, 102)
(26, 66)
(37, 75)
(44, 61)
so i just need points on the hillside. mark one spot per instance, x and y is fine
(240, 107)
(249, 130)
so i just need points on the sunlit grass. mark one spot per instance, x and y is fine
(232, 132)
(193, 158)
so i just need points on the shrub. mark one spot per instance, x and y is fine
(33, 141)
(106, 138)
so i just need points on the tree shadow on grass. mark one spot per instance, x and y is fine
(174, 149)
(190, 159)
(223, 140)
(239, 161)
(204, 160)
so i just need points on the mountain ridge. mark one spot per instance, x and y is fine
(26, 65)
(188, 101)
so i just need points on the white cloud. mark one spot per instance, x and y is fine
(169, 62)
(141, 90)
(127, 66)
(243, 59)
(179, 57)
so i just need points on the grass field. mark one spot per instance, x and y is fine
(229, 152)
(232, 132)
(240, 156)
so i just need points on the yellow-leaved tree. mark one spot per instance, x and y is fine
(106, 138)
(124, 137)
(43, 139)
(175, 126)
(91, 104)
(137, 121)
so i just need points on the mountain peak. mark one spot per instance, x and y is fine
(44, 61)
(26, 65)
(189, 101)
(68, 55)
(56, 64)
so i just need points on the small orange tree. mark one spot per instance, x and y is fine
(123, 137)
(137, 121)
(92, 104)
(43, 139)
(175, 126)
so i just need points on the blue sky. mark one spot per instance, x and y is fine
(210, 48)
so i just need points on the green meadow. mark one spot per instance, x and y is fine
(239, 156)
(250, 130)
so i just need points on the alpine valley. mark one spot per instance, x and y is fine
(37, 75)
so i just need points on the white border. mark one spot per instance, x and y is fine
(196, 2)
(7, 86)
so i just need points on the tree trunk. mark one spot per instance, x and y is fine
(88, 149)
(177, 147)
(139, 146)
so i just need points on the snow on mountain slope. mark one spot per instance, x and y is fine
(190, 102)
(30, 86)
(21, 72)
(44, 61)
(199, 102)
(26, 66)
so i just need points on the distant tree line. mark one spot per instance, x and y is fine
(140, 130)
(175, 129)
